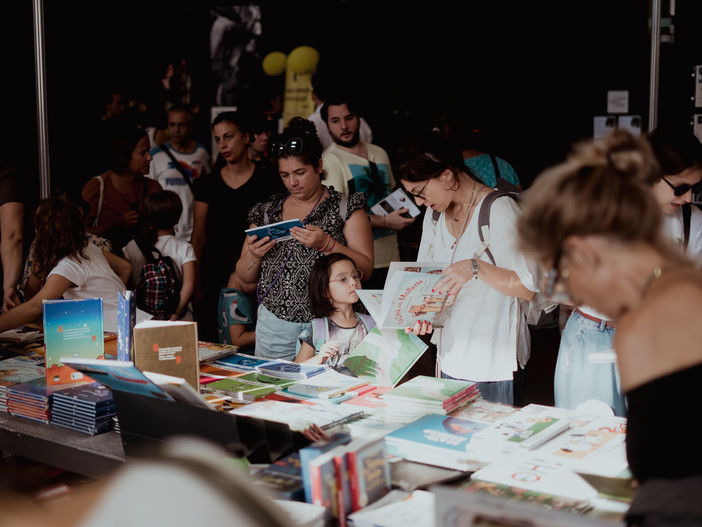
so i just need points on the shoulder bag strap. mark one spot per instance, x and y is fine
(686, 212)
(180, 168)
(99, 204)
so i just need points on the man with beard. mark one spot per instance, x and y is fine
(352, 166)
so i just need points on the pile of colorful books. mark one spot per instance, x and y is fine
(15, 370)
(423, 395)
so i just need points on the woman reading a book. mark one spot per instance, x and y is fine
(69, 266)
(594, 224)
(485, 337)
(338, 328)
(279, 270)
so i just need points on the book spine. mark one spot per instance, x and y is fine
(354, 481)
(342, 490)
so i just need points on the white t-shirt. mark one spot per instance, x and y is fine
(480, 339)
(673, 228)
(94, 278)
(164, 171)
(180, 251)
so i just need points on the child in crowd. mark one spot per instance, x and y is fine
(236, 316)
(338, 328)
(162, 211)
(66, 265)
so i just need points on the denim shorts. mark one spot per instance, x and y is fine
(578, 376)
(277, 338)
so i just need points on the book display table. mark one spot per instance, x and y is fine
(93, 456)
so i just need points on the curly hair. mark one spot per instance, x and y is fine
(59, 233)
(311, 148)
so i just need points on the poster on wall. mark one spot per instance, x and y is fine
(234, 58)
(698, 87)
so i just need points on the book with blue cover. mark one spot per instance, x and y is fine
(72, 328)
(314, 450)
(436, 440)
(275, 231)
(93, 395)
(290, 370)
(118, 375)
(126, 319)
(240, 362)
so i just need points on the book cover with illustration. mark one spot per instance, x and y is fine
(240, 362)
(435, 393)
(126, 319)
(242, 389)
(168, 347)
(384, 356)
(408, 296)
(72, 328)
(328, 384)
(290, 370)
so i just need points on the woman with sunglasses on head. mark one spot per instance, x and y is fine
(222, 200)
(586, 367)
(338, 328)
(485, 338)
(279, 271)
(594, 222)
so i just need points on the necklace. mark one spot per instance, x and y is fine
(465, 221)
(655, 274)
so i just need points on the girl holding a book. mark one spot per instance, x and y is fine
(338, 328)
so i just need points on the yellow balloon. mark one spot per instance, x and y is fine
(274, 63)
(303, 59)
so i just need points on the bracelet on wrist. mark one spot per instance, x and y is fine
(323, 249)
(332, 246)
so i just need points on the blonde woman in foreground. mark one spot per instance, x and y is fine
(594, 224)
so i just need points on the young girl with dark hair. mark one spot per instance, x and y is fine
(338, 328)
(68, 266)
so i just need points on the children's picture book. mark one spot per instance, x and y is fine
(126, 319)
(179, 389)
(14, 370)
(326, 385)
(242, 389)
(409, 296)
(290, 370)
(436, 440)
(275, 231)
(424, 394)
(484, 411)
(214, 350)
(370, 400)
(119, 375)
(282, 478)
(72, 328)
(397, 199)
(300, 416)
(240, 362)
(86, 408)
(384, 356)
(168, 347)
(27, 333)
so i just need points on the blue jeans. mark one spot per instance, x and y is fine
(494, 391)
(577, 378)
(277, 338)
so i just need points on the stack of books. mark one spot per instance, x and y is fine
(31, 399)
(15, 370)
(424, 395)
(274, 368)
(242, 389)
(87, 408)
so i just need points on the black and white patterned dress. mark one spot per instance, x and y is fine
(285, 269)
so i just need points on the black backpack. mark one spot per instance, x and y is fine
(158, 287)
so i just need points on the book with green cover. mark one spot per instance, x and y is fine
(384, 356)
(433, 392)
(242, 389)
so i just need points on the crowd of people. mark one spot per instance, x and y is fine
(609, 233)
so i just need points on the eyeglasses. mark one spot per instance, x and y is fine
(553, 285)
(420, 194)
(355, 275)
(684, 188)
(293, 147)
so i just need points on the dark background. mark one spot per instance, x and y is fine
(533, 74)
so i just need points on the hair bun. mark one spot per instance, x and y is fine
(301, 125)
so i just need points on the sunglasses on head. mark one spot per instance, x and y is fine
(292, 147)
(684, 188)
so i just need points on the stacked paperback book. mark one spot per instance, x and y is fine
(31, 399)
(423, 395)
(15, 370)
(274, 368)
(87, 408)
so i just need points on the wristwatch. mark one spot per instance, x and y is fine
(475, 267)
